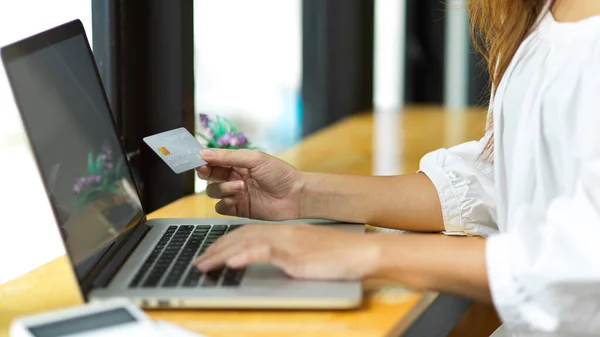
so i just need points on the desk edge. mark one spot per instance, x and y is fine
(413, 314)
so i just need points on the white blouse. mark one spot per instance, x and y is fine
(539, 204)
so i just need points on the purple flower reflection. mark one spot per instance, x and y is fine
(83, 182)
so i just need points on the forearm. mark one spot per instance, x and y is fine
(407, 202)
(453, 265)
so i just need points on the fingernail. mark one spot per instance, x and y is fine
(207, 154)
(240, 186)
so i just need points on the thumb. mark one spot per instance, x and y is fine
(232, 158)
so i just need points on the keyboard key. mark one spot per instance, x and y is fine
(151, 282)
(171, 282)
(158, 271)
(209, 282)
(145, 267)
(195, 240)
(181, 262)
(233, 277)
(193, 277)
(180, 265)
(176, 272)
(189, 251)
(215, 273)
(185, 260)
(232, 273)
(190, 283)
(234, 227)
(136, 280)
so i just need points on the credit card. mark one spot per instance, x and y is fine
(178, 148)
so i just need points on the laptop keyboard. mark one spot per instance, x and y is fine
(169, 264)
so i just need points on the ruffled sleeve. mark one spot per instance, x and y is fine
(465, 186)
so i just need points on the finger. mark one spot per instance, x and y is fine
(227, 206)
(245, 257)
(224, 190)
(218, 258)
(238, 238)
(235, 158)
(231, 238)
(224, 243)
(216, 173)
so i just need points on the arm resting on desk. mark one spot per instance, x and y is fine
(408, 202)
(454, 193)
(453, 265)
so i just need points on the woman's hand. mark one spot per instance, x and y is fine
(252, 184)
(301, 251)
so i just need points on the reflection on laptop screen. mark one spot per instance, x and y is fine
(71, 131)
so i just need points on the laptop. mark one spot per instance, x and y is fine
(115, 250)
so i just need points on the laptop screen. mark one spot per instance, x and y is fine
(70, 128)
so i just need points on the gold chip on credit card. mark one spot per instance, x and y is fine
(178, 148)
(164, 151)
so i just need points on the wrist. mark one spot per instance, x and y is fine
(372, 255)
(392, 257)
(304, 188)
(375, 256)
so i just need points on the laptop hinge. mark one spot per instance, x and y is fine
(106, 269)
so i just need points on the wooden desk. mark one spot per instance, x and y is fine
(345, 147)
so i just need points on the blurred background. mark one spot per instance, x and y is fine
(278, 69)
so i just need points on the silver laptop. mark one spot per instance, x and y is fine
(115, 250)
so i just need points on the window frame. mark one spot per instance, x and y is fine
(145, 53)
(337, 59)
